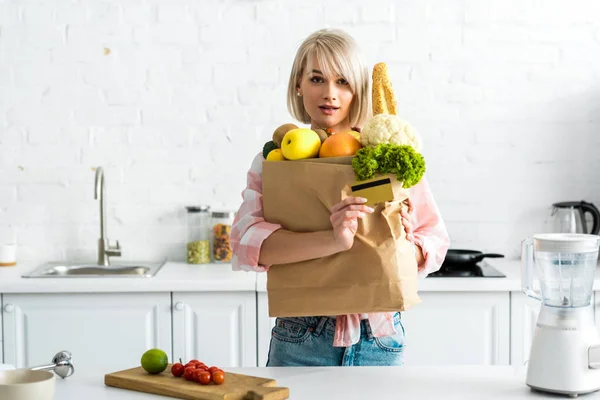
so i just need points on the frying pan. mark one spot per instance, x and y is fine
(462, 257)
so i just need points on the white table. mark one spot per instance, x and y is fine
(360, 383)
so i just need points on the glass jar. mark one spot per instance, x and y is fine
(198, 234)
(221, 231)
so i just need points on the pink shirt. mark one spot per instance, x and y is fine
(250, 229)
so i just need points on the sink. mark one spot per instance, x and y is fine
(90, 270)
(103, 266)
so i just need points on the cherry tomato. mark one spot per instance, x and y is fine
(177, 369)
(190, 364)
(202, 367)
(194, 361)
(197, 373)
(204, 377)
(188, 373)
(213, 369)
(218, 377)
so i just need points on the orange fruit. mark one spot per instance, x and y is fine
(339, 145)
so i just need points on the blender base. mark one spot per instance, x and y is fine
(566, 393)
(559, 359)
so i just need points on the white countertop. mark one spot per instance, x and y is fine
(178, 276)
(360, 383)
(173, 276)
(510, 268)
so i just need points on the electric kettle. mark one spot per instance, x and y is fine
(569, 217)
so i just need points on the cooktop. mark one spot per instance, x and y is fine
(481, 269)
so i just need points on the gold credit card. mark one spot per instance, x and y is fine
(376, 190)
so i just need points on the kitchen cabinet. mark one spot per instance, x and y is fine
(264, 326)
(105, 332)
(458, 328)
(523, 318)
(1, 335)
(446, 328)
(218, 328)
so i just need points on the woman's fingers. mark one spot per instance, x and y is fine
(346, 213)
(348, 201)
(407, 223)
(337, 218)
(350, 211)
(406, 219)
(409, 232)
(355, 207)
(349, 223)
(409, 204)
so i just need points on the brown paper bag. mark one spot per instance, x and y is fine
(379, 272)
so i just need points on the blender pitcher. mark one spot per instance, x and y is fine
(565, 350)
(566, 264)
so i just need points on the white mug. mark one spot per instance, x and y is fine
(8, 255)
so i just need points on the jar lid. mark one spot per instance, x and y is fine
(197, 209)
(566, 242)
(223, 214)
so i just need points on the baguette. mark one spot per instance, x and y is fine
(384, 100)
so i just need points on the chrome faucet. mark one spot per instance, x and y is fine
(104, 248)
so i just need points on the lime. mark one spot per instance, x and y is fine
(155, 361)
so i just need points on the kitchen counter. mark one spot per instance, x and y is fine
(173, 276)
(314, 383)
(181, 277)
(510, 268)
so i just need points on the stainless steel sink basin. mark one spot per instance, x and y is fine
(90, 270)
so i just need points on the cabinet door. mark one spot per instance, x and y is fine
(104, 332)
(523, 318)
(2, 358)
(458, 328)
(265, 325)
(217, 328)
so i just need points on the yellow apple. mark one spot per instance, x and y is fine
(355, 134)
(275, 155)
(300, 143)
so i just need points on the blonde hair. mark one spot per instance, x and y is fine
(338, 54)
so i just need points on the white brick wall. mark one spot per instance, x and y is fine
(174, 99)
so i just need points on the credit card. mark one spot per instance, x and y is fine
(376, 190)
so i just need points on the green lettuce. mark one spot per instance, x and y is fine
(402, 160)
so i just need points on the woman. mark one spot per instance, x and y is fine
(329, 89)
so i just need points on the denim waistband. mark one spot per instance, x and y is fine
(325, 324)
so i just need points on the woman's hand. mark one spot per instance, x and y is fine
(408, 228)
(344, 219)
(407, 221)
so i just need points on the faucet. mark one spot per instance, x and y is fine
(104, 248)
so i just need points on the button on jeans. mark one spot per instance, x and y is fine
(308, 341)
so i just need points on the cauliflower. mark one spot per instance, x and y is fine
(389, 128)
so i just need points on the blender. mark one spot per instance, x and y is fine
(565, 351)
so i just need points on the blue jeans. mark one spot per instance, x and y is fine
(308, 341)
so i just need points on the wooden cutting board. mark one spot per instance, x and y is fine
(235, 387)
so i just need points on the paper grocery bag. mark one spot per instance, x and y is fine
(379, 272)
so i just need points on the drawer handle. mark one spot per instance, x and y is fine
(179, 306)
(9, 308)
